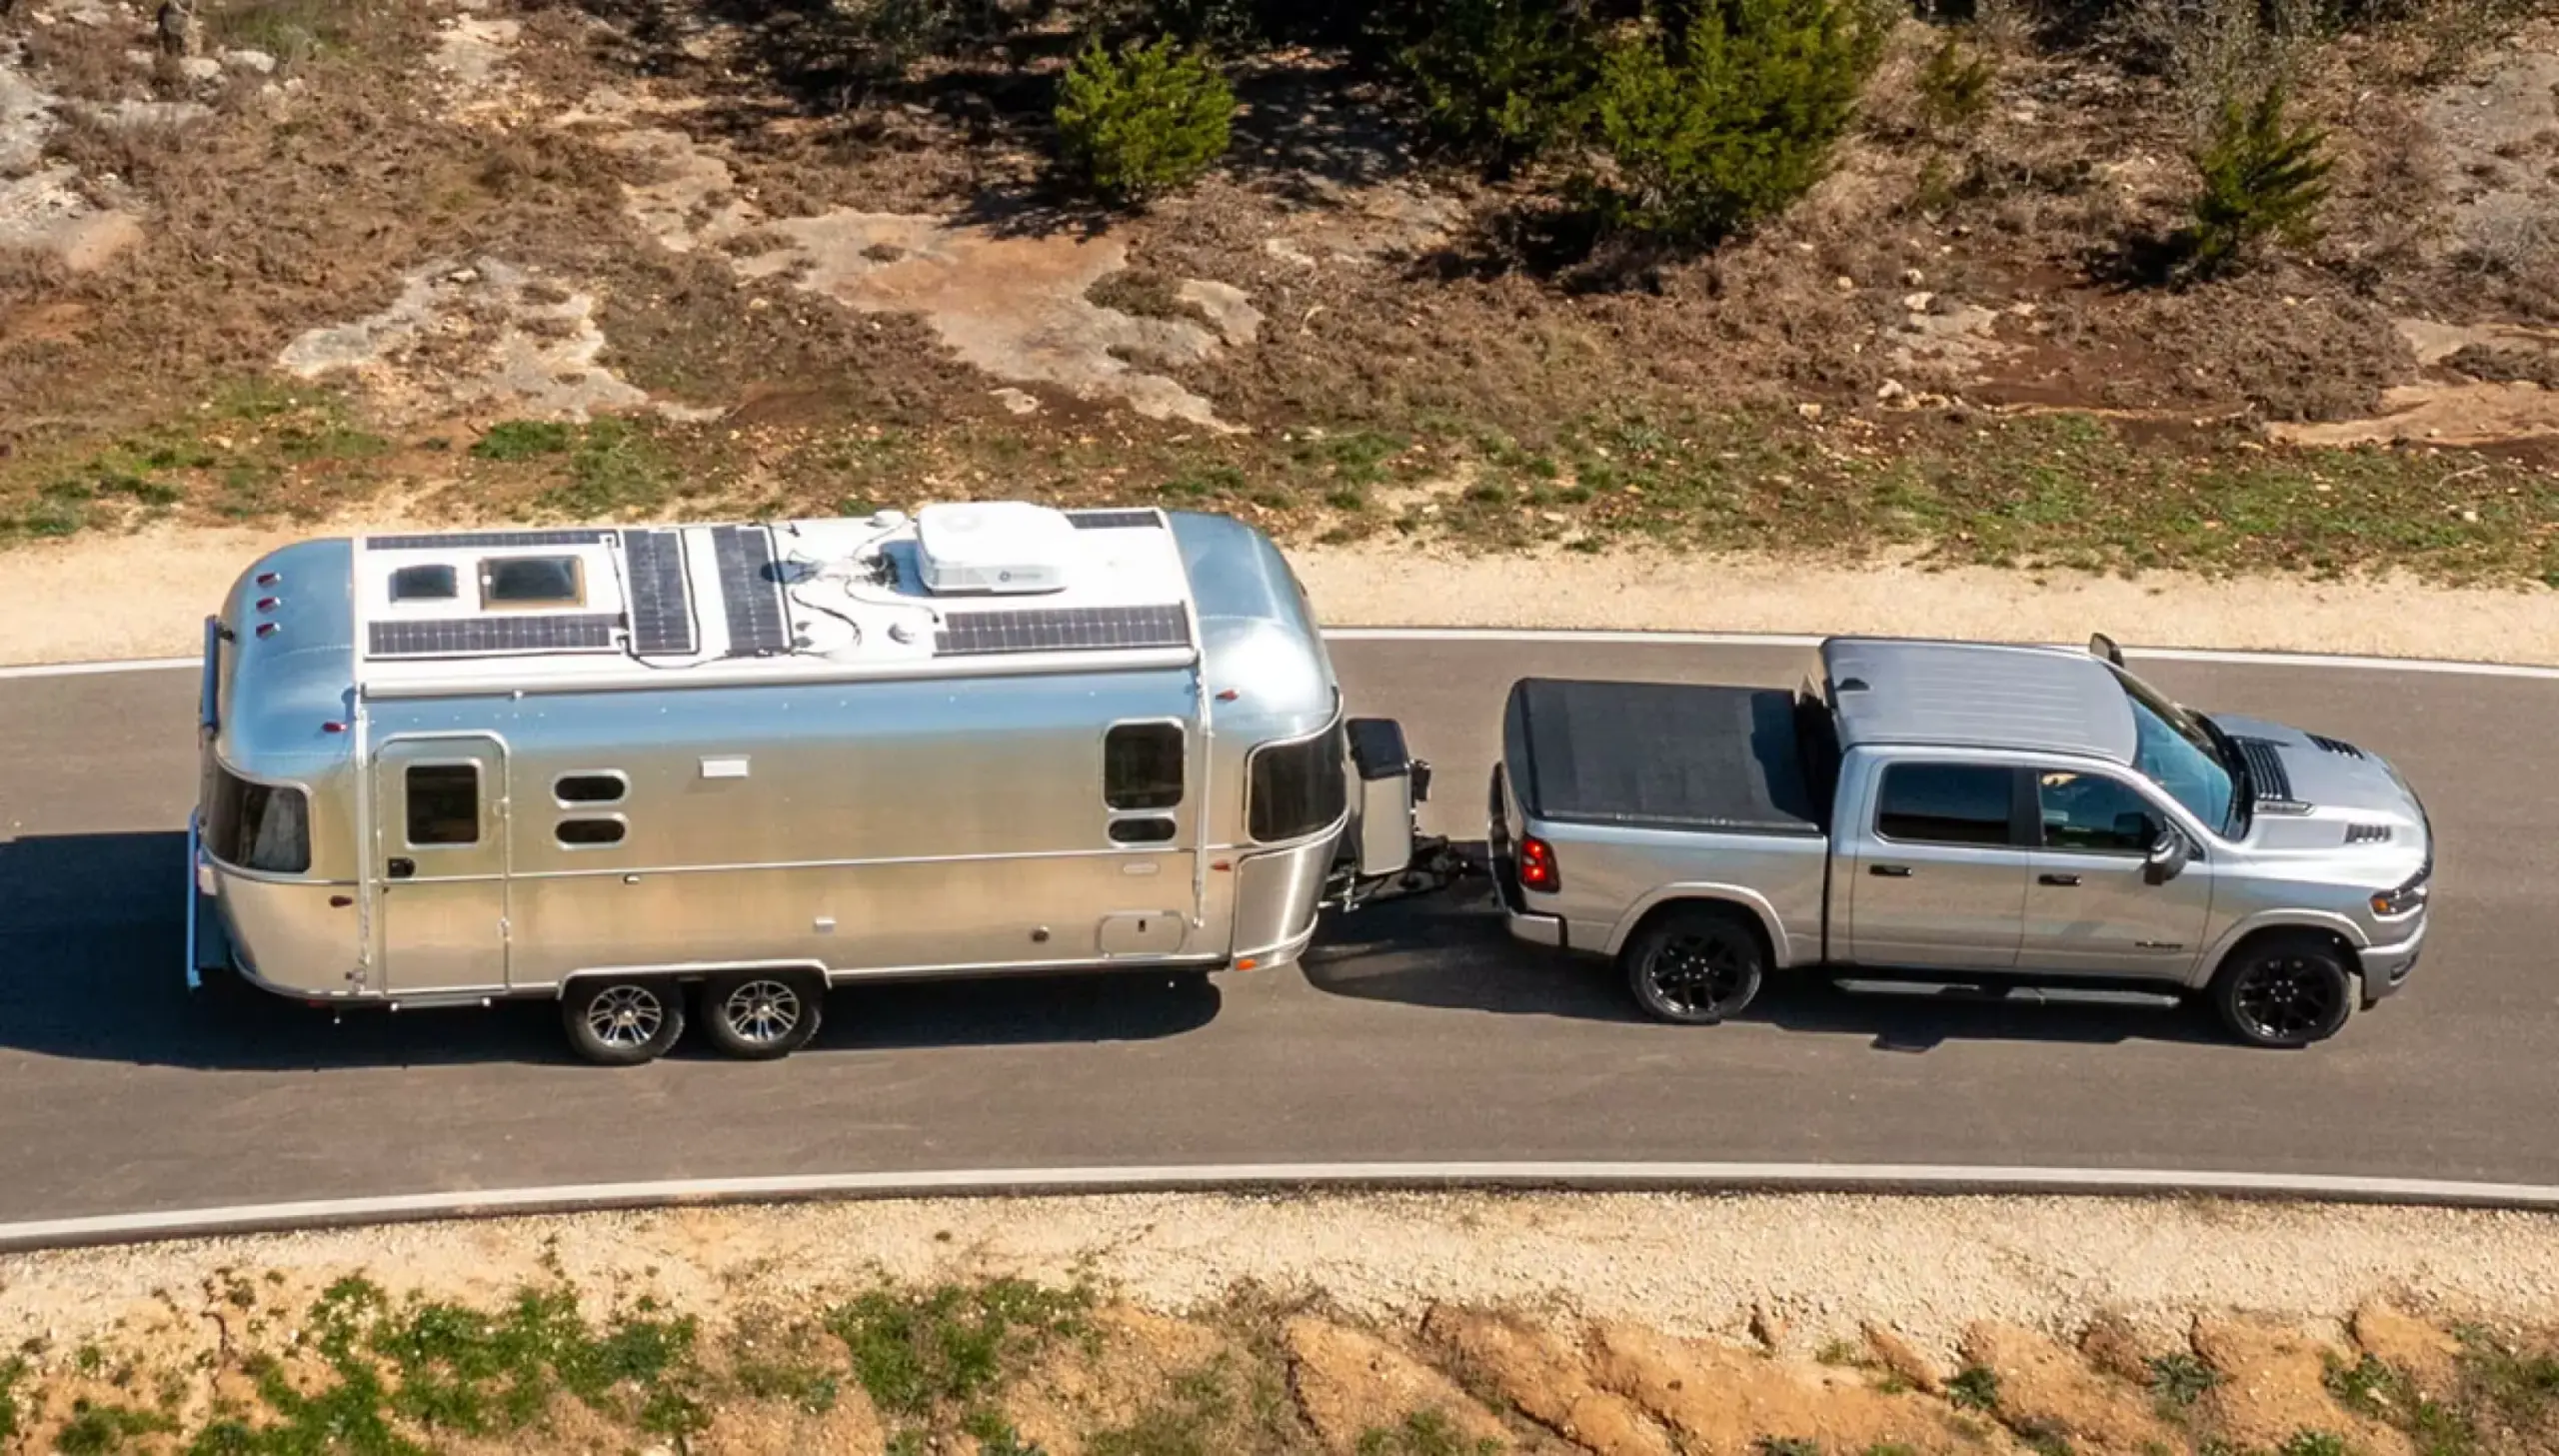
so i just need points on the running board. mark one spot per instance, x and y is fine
(2023, 995)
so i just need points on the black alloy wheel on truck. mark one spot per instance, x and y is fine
(1696, 966)
(2284, 990)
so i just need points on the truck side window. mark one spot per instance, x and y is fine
(1947, 804)
(2094, 814)
(444, 805)
(1141, 765)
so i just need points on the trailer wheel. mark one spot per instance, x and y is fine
(1695, 965)
(618, 1023)
(759, 1015)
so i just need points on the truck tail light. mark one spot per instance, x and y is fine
(1537, 865)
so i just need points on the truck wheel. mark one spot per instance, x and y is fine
(761, 1014)
(2284, 990)
(615, 1022)
(1695, 967)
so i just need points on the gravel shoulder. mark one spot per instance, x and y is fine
(143, 594)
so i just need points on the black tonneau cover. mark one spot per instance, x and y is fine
(1661, 755)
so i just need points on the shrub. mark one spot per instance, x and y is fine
(1709, 131)
(1144, 121)
(1954, 86)
(1504, 79)
(2263, 176)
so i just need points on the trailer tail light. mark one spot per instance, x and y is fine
(1537, 865)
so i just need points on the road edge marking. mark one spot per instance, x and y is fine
(1245, 1178)
(2235, 656)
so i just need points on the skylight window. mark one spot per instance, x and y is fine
(425, 583)
(531, 581)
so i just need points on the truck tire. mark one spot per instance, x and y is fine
(622, 1022)
(1695, 965)
(2284, 990)
(760, 1015)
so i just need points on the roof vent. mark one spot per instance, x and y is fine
(1003, 547)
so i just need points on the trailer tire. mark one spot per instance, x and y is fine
(622, 1022)
(762, 1015)
(1695, 965)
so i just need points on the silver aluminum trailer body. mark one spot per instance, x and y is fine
(1139, 763)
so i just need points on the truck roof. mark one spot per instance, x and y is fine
(1976, 695)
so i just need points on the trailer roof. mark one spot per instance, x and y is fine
(1977, 696)
(954, 591)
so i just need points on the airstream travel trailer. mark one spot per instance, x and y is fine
(733, 765)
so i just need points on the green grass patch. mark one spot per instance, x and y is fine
(96, 1430)
(2179, 1380)
(525, 440)
(1422, 1433)
(13, 1375)
(2315, 1443)
(615, 467)
(1213, 1411)
(1975, 1387)
(924, 1353)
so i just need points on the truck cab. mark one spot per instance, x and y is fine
(1959, 814)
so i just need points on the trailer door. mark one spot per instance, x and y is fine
(440, 864)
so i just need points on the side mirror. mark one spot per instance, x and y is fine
(2169, 855)
(2102, 646)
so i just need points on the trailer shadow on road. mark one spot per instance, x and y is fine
(1450, 950)
(92, 968)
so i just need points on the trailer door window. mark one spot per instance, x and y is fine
(260, 826)
(1141, 765)
(1297, 788)
(444, 805)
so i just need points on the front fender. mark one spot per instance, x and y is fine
(2342, 926)
(1780, 945)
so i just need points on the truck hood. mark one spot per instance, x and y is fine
(2297, 773)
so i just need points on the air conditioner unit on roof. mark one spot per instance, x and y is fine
(1003, 547)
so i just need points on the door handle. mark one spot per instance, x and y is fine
(403, 868)
(2064, 880)
(1890, 871)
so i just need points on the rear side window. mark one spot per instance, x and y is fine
(1141, 765)
(260, 826)
(1947, 804)
(1297, 788)
(444, 805)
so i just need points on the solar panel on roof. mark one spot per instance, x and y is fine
(661, 608)
(1062, 629)
(455, 637)
(582, 536)
(1114, 519)
(757, 627)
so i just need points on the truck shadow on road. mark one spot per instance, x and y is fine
(1450, 950)
(93, 945)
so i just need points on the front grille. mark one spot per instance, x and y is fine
(2336, 745)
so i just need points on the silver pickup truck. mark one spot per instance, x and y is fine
(1960, 815)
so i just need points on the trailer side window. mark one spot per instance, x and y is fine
(1297, 788)
(1141, 765)
(590, 787)
(260, 826)
(444, 805)
(590, 833)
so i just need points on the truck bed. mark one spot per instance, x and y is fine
(1661, 755)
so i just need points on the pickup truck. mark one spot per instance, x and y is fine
(1961, 815)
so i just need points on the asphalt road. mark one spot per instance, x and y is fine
(1413, 1032)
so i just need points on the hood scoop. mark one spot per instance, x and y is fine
(2266, 776)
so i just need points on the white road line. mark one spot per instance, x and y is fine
(1919, 1178)
(1594, 638)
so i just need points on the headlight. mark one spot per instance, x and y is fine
(2406, 898)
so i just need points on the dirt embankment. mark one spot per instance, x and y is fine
(1383, 1326)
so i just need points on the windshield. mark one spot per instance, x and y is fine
(2178, 752)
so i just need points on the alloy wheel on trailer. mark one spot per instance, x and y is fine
(761, 1014)
(2286, 998)
(761, 1011)
(623, 1022)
